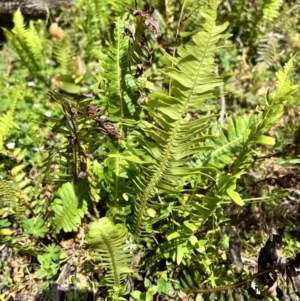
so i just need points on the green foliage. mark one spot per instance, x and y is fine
(50, 261)
(174, 138)
(6, 119)
(29, 45)
(138, 175)
(226, 184)
(228, 141)
(271, 9)
(63, 54)
(97, 21)
(147, 296)
(35, 227)
(119, 87)
(108, 245)
(70, 207)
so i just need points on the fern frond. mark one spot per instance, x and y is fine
(119, 100)
(140, 53)
(226, 183)
(120, 86)
(271, 9)
(21, 192)
(97, 19)
(70, 207)
(28, 44)
(63, 53)
(119, 6)
(7, 191)
(174, 138)
(7, 119)
(22, 183)
(227, 142)
(267, 51)
(108, 247)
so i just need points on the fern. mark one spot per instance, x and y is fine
(18, 191)
(96, 23)
(119, 103)
(266, 53)
(28, 44)
(8, 195)
(95, 20)
(108, 247)
(225, 189)
(120, 87)
(6, 190)
(174, 137)
(227, 142)
(70, 207)
(25, 191)
(271, 9)
(7, 119)
(63, 54)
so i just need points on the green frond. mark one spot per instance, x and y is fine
(7, 191)
(119, 6)
(271, 9)
(97, 19)
(266, 53)
(108, 247)
(283, 84)
(226, 182)
(17, 193)
(119, 101)
(63, 53)
(7, 119)
(114, 180)
(190, 277)
(227, 141)
(22, 185)
(28, 44)
(174, 138)
(120, 86)
(94, 22)
(70, 206)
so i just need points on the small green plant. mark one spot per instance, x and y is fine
(50, 261)
(35, 227)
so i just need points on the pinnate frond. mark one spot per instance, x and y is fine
(63, 54)
(108, 247)
(28, 43)
(70, 206)
(173, 138)
(120, 86)
(271, 9)
(226, 182)
(227, 142)
(7, 119)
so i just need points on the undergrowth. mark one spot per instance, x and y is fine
(145, 147)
